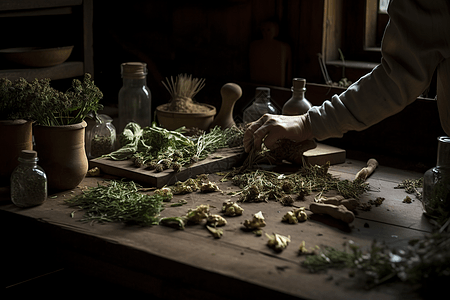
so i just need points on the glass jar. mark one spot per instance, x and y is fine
(260, 106)
(28, 181)
(436, 184)
(102, 137)
(135, 98)
(297, 104)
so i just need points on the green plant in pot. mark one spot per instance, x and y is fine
(15, 124)
(59, 130)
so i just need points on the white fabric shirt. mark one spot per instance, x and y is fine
(416, 42)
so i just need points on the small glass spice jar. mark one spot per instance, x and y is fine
(28, 181)
(260, 106)
(102, 137)
(135, 98)
(436, 184)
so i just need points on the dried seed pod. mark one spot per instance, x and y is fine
(165, 192)
(287, 186)
(166, 163)
(151, 165)
(159, 168)
(300, 213)
(138, 161)
(216, 220)
(290, 218)
(209, 187)
(278, 242)
(194, 159)
(177, 155)
(176, 166)
(230, 208)
(257, 221)
(199, 213)
(287, 200)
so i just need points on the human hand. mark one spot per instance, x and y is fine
(271, 128)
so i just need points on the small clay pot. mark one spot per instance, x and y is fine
(15, 136)
(62, 154)
(172, 120)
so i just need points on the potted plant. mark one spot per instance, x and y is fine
(59, 129)
(182, 110)
(15, 126)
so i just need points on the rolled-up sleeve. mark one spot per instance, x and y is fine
(415, 43)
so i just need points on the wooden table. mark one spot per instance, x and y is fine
(192, 264)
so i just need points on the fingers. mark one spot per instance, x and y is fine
(270, 139)
(253, 136)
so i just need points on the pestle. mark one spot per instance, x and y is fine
(230, 92)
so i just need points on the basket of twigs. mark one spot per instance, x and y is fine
(182, 110)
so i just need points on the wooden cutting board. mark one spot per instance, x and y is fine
(223, 159)
(324, 153)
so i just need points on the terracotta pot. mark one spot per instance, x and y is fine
(15, 136)
(173, 120)
(62, 154)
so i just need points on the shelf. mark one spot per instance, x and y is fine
(64, 70)
(36, 12)
(17, 13)
(8, 5)
(352, 64)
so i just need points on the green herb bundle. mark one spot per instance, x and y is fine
(17, 96)
(39, 102)
(53, 108)
(119, 201)
(155, 147)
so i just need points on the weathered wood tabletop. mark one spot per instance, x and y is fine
(192, 264)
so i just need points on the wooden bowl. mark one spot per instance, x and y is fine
(173, 120)
(37, 57)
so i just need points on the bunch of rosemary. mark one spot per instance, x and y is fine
(119, 201)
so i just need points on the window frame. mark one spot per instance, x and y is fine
(356, 27)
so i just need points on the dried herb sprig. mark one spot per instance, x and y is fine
(424, 261)
(261, 185)
(412, 186)
(119, 201)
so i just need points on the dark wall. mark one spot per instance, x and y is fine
(208, 39)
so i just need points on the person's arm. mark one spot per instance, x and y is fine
(410, 52)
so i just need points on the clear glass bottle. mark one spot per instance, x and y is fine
(260, 106)
(102, 137)
(135, 98)
(297, 104)
(28, 181)
(436, 183)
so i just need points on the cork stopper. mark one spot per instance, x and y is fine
(134, 70)
(299, 84)
(28, 154)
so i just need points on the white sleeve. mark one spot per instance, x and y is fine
(416, 41)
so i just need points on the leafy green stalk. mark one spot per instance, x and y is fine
(119, 201)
